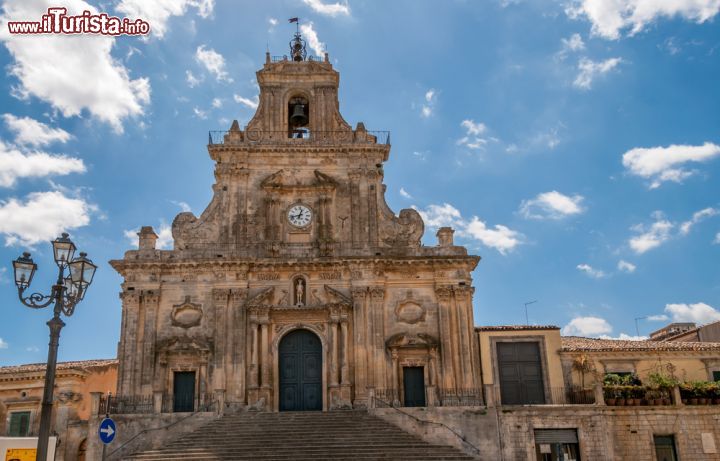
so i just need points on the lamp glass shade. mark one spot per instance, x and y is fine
(82, 271)
(63, 250)
(70, 287)
(24, 270)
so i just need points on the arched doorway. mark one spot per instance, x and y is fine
(300, 363)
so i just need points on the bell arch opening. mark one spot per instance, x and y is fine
(298, 117)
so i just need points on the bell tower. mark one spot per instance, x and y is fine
(298, 236)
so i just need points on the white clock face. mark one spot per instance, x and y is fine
(299, 215)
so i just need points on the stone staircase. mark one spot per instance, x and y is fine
(336, 435)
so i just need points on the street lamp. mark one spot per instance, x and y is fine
(65, 294)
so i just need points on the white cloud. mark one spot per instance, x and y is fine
(217, 103)
(499, 237)
(251, 103)
(624, 266)
(552, 205)
(591, 271)
(32, 349)
(50, 67)
(624, 337)
(405, 193)
(29, 131)
(183, 205)
(588, 70)
(3, 344)
(199, 113)
(158, 12)
(651, 237)
(574, 43)
(15, 165)
(313, 41)
(570, 45)
(329, 9)
(698, 313)
(473, 134)
(696, 218)
(610, 17)
(213, 62)
(42, 216)
(658, 318)
(587, 326)
(273, 22)
(662, 164)
(164, 233)
(429, 105)
(191, 80)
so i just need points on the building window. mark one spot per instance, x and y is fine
(19, 424)
(716, 375)
(557, 445)
(665, 448)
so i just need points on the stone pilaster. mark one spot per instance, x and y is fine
(377, 320)
(220, 298)
(361, 345)
(444, 294)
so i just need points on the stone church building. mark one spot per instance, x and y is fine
(298, 288)
(299, 317)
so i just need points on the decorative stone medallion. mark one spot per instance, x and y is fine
(186, 314)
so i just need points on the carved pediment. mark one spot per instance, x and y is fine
(409, 340)
(335, 295)
(185, 344)
(290, 180)
(262, 298)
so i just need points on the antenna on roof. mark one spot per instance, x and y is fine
(637, 329)
(527, 322)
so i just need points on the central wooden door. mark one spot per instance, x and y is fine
(184, 391)
(300, 358)
(414, 386)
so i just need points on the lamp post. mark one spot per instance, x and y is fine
(65, 294)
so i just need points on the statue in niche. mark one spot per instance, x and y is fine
(300, 291)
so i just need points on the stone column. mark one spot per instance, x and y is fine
(345, 366)
(333, 350)
(157, 401)
(377, 316)
(443, 294)
(468, 344)
(395, 381)
(126, 353)
(235, 357)
(361, 346)
(355, 231)
(599, 395)
(264, 357)
(95, 403)
(220, 301)
(254, 380)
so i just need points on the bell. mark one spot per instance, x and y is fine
(299, 117)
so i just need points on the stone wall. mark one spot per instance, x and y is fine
(155, 431)
(605, 433)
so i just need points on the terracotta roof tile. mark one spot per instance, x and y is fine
(580, 344)
(516, 327)
(40, 367)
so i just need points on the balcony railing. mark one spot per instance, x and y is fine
(126, 404)
(147, 404)
(435, 397)
(298, 137)
(287, 58)
(551, 396)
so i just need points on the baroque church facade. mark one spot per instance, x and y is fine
(298, 288)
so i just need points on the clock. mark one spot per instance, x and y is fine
(299, 215)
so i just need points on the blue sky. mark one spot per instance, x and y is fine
(575, 145)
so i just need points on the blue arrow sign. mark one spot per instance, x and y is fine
(106, 431)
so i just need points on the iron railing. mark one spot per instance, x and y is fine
(182, 404)
(460, 397)
(287, 58)
(298, 137)
(125, 404)
(468, 397)
(551, 396)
